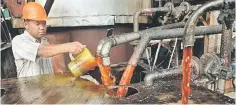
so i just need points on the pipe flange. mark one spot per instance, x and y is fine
(170, 6)
(187, 5)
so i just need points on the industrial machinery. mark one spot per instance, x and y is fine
(171, 60)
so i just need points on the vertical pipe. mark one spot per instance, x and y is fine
(225, 54)
(159, 3)
(221, 86)
(226, 17)
(226, 39)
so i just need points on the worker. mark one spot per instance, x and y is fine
(31, 51)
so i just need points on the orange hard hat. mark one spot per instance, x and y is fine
(34, 11)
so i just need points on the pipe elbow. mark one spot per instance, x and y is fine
(107, 47)
(148, 79)
(100, 45)
(189, 30)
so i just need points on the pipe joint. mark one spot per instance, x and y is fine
(100, 45)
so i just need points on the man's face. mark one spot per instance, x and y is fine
(36, 28)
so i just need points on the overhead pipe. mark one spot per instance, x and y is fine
(106, 44)
(149, 78)
(155, 34)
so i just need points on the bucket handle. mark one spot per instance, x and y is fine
(71, 56)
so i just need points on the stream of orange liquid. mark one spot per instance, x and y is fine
(106, 76)
(125, 81)
(186, 72)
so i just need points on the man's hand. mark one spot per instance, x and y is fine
(49, 50)
(74, 47)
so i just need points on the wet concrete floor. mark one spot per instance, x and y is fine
(64, 89)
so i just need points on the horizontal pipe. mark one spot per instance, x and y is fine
(189, 30)
(165, 34)
(105, 45)
(149, 78)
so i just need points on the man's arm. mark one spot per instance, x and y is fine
(49, 50)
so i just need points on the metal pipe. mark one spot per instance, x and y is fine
(150, 34)
(189, 30)
(159, 9)
(48, 6)
(188, 42)
(99, 47)
(159, 3)
(115, 40)
(146, 37)
(146, 11)
(106, 44)
(149, 78)
(226, 17)
(221, 86)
